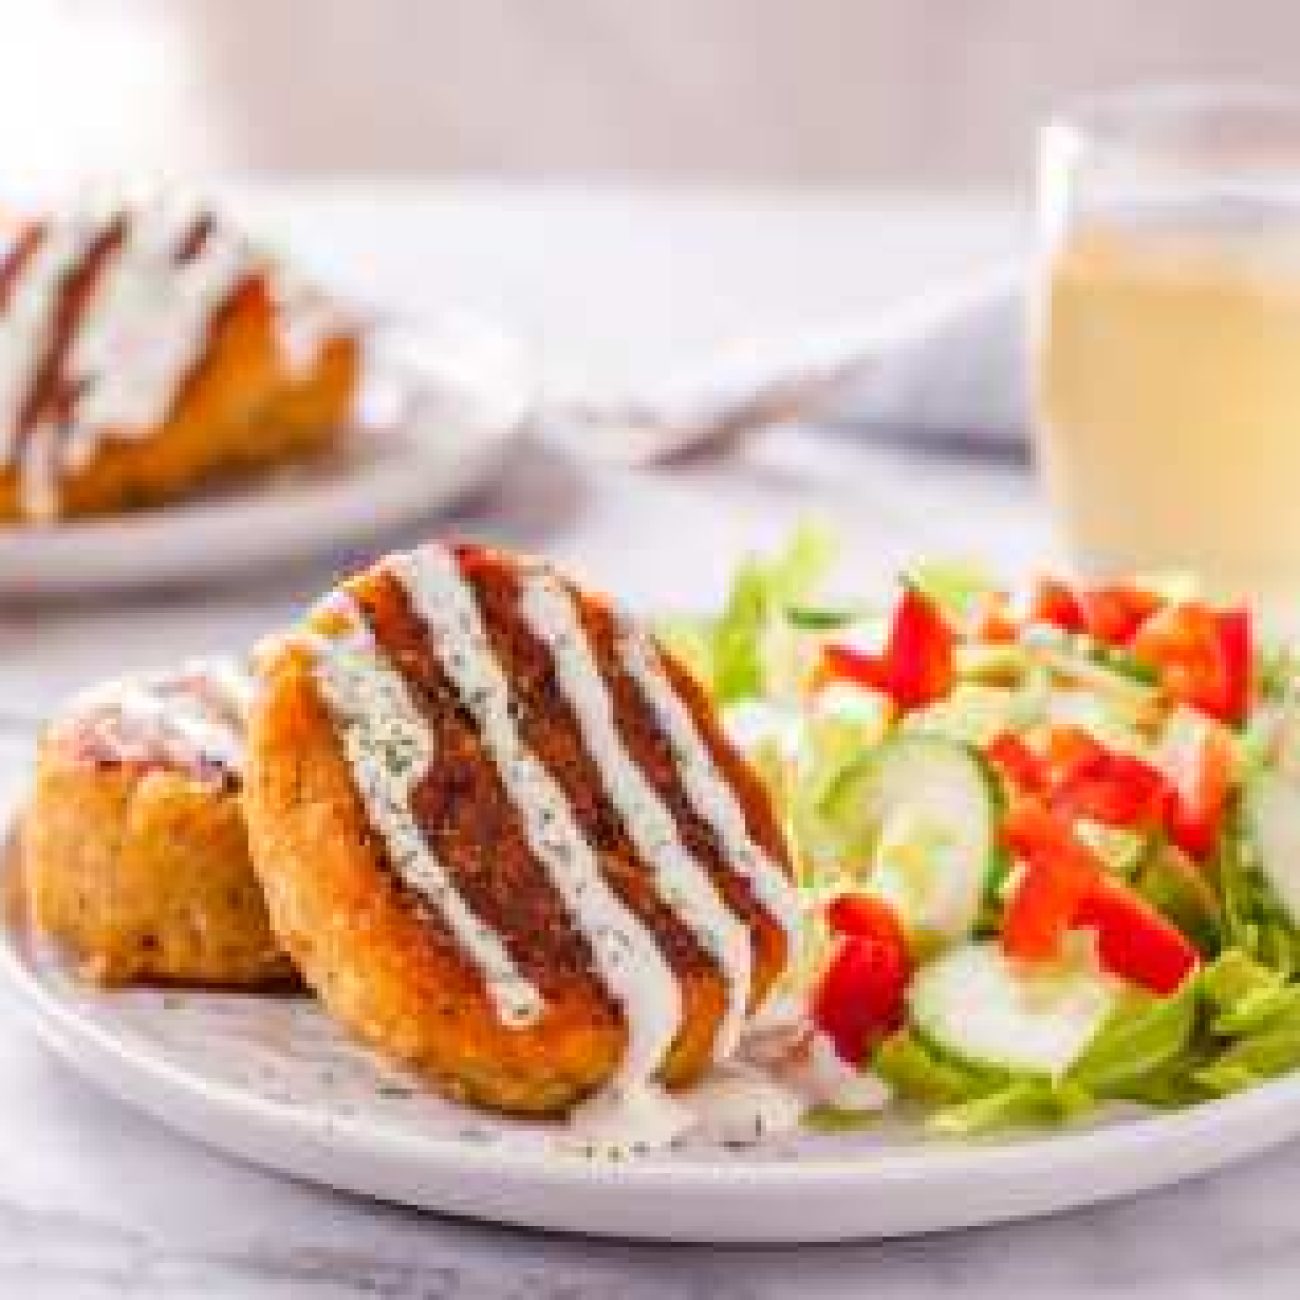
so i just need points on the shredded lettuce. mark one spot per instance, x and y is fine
(1254, 920)
(1177, 888)
(761, 594)
(1234, 1023)
(957, 587)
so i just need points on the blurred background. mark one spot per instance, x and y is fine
(818, 93)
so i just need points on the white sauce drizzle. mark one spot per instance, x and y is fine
(548, 611)
(28, 319)
(309, 319)
(710, 796)
(194, 714)
(627, 957)
(143, 331)
(389, 748)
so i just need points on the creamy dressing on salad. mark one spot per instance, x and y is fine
(389, 749)
(681, 881)
(627, 956)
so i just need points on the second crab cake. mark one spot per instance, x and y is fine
(504, 839)
(147, 348)
(135, 856)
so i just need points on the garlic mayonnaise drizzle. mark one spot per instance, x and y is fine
(388, 745)
(389, 749)
(142, 328)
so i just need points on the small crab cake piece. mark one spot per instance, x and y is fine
(135, 855)
(146, 349)
(503, 838)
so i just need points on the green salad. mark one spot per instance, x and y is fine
(1049, 846)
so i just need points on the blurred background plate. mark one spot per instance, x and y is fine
(440, 407)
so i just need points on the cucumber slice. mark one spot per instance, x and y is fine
(1272, 808)
(980, 1007)
(927, 809)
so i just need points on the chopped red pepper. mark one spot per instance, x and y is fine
(1058, 871)
(917, 665)
(1115, 789)
(1114, 613)
(1237, 642)
(864, 916)
(993, 623)
(1133, 939)
(1056, 604)
(1071, 749)
(1065, 887)
(845, 664)
(1204, 658)
(1026, 771)
(1080, 777)
(860, 998)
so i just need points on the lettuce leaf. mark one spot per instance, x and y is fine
(761, 594)
(956, 587)
(1253, 918)
(1142, 1038)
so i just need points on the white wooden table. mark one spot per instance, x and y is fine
(97, 1202)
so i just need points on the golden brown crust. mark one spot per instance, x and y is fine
(245, 408)
(381, 964)
(142, 871)
(386, 967)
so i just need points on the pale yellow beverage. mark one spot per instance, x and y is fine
(1167, 392)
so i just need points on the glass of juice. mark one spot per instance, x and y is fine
(1165, 337)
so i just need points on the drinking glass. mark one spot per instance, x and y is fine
(1165, 336)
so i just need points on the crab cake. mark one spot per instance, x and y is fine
(504, 840)
(146, 349)
(135, 855)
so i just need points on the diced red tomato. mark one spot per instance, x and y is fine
(1026, 770)
(1056, 604)
(1115, 789)
(864, 916)
(842, 663)
(993, 623)
(1065, 887)
(920, 652)
(1237, 641)
(1204, 658)
(1133, 939)
(1114, 613)
(1080, 777)
(916, 667)
(1058, 871)
(1072, 749)
(860, 998)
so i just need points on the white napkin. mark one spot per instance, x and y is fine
(946, 368)
(949, 369)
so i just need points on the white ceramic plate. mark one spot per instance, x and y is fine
(270, 1079)
(439, 409)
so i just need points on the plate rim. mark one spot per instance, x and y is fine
(1237, 1126)
(194, 521)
